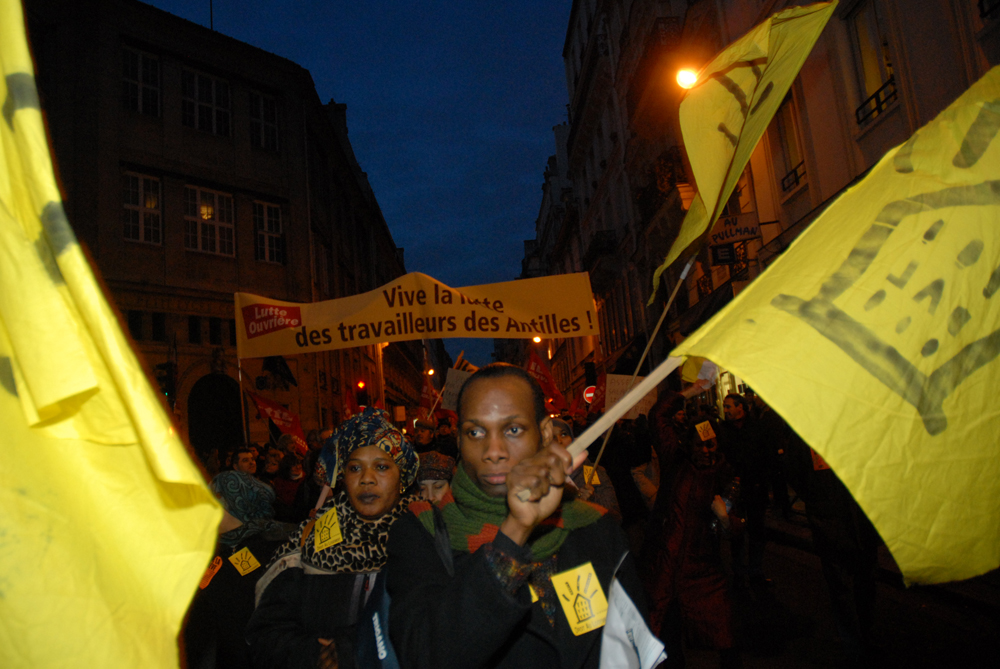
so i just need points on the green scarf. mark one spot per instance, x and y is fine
(473, 518)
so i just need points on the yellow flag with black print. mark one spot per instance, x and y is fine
(730, 106)
(876, 335)
(106, 525)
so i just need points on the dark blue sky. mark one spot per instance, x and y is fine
(450, 108)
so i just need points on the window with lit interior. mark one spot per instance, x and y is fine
(141, 218)
(208, 221)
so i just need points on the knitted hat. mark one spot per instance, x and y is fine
(435, 466)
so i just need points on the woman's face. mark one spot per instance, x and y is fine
(434, 490)
(372, 482)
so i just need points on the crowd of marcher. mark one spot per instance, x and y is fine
(486, 544)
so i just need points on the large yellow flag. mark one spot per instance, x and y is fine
(105, 523)
(727, 111)
(876, 336)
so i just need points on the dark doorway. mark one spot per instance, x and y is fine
(214, 416)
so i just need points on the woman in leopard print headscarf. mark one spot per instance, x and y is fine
(314, 589)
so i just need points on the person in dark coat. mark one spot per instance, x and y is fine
(312, 595)
(846, 542)
(481, 579)
(248, 537)
(681, 562)
(744, 446)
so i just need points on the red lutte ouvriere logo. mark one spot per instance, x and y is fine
(262, 319)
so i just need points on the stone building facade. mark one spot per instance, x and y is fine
(880, 70)
(195, 166)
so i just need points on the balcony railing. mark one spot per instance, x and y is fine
(794, 177)
(877, 103)
(988, 8)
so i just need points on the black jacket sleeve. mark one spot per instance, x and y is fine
(277, 637)
(441, 621)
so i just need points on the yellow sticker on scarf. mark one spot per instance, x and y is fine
(534, 593)
(582, 598)
(327, 530)
(586, 475)
(244, 561)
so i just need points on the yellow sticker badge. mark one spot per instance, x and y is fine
(327, 530)
(582, 598)
(587, 469)
(244, 561)
(705, 431)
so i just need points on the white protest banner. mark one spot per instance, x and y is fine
(618, 385)
(452, 384)
(416, 306)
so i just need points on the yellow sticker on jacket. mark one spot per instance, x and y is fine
(582, 598)
(327, 530)
(586, 475)
(244, 561)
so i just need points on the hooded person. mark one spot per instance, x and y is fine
(248, 536)
(312, 595)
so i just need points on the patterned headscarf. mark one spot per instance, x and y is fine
(250, 501)
(371, 427)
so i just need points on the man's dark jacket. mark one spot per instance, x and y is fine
(469, 620)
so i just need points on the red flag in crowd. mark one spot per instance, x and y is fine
(554, 400)
(285, 420)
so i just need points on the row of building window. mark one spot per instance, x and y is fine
(208, 219)
(158, 328)
(206, 101)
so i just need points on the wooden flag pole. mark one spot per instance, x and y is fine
(649, 344)
(631, 398)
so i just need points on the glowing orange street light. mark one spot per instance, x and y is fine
(430, 372)
(687, 78)
(361, 385)
(537, 340)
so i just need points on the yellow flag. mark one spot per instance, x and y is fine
(727, 111)
(106, 525)
(876, 336)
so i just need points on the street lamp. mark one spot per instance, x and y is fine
(687, 78)
(537, 340)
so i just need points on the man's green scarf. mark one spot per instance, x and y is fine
(473, 518)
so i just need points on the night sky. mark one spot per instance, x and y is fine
(450, 108)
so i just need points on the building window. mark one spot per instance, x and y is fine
(194, 330)
(141, 218)
(215, 331)
(140, 82)
(263, 121)
(869, 34)
(267, 227)
(159, 326)
(135, 324)
(790, 161)
(205, 103)
(208, 221)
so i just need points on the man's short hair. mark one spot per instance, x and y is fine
(739, 399)
(499, 370)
